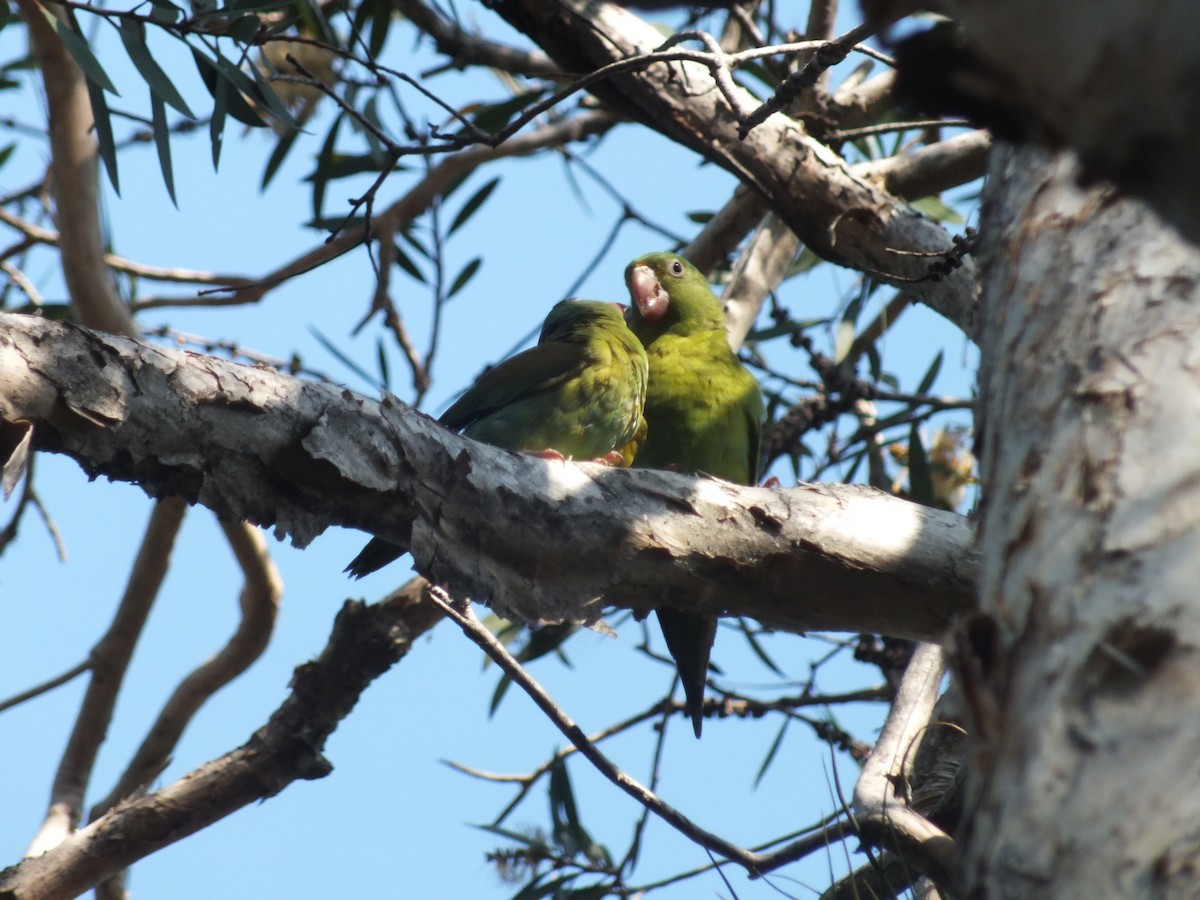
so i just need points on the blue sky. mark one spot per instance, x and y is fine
(391, 820)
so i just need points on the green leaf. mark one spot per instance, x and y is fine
(324, 155)
(165, 12)
(226, 98)
(405, 263)
(5, 14)
(758, 648)
(535, 891)
(920, 479)
(476, 201)
(216, 123)
(133, 36)
(770, 757)
(700, 218)
(81, 53)
(408, 236)
(162, 143)
(385, 378)
(380, 12)
(6, 152)
(930, 375)
(340, 356)
(464, 276)
(564, 814)
(104, 133)
(345, 165)
(277, 156)
(244, 28)
(937, 210)
(494, 117)
(502, 687)
(258, 91)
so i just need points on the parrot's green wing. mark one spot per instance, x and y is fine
(703, 414)
(538, 370)
(579, 392)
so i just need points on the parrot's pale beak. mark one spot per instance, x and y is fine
(649, 295)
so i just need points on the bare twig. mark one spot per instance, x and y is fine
(462, 616)
(881, 814)
(466, 49)
(365, 642)
(933, 168)
(758, 271)
(46, 686)
(259, 603)
(109, 661)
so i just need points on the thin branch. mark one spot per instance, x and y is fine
(46, 686)
(881, 814)
(366, 640)
(412, 204)
(74, 164)
(259, 602)
(463, 616)
(109, 661)
(466, 49)
(933, 168)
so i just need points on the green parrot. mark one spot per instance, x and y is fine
(703, 412)
(577, 394)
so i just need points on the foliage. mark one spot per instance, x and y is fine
(336, 97)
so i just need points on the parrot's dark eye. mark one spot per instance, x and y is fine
(676, 267)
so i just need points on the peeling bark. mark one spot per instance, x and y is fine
(537, 539)
(1083, 677)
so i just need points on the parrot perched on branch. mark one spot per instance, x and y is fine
(703, 413)
(577, 394)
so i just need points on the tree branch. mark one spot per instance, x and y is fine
(365, 642)
(253, 444)
(845, 219)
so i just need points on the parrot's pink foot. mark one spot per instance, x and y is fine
(611, 458)
(773, 483)
(546, 454)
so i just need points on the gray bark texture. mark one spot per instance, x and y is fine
(1082, 670)
(539, 540)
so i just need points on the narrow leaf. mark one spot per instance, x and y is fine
(469, 208)
(385, 378)
(502, 687)
(405, 263)
(81, 53)
(931, 375)
(324, 155)
(104, 133)
(278, 155)
(162, 143)
(133, 36)
(920, 478)
(340, 356)
(770, 757)
(758, 648)
(464, 276)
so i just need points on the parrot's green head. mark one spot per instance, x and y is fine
(670, 294)
(574, 320)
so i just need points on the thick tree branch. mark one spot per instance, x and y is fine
(253, 444)
(845, 219)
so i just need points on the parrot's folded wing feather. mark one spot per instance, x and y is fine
(532, 371)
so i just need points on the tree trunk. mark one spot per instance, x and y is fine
(1082, 670)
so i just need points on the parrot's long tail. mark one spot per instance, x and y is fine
(377, 554)
(689, 639)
